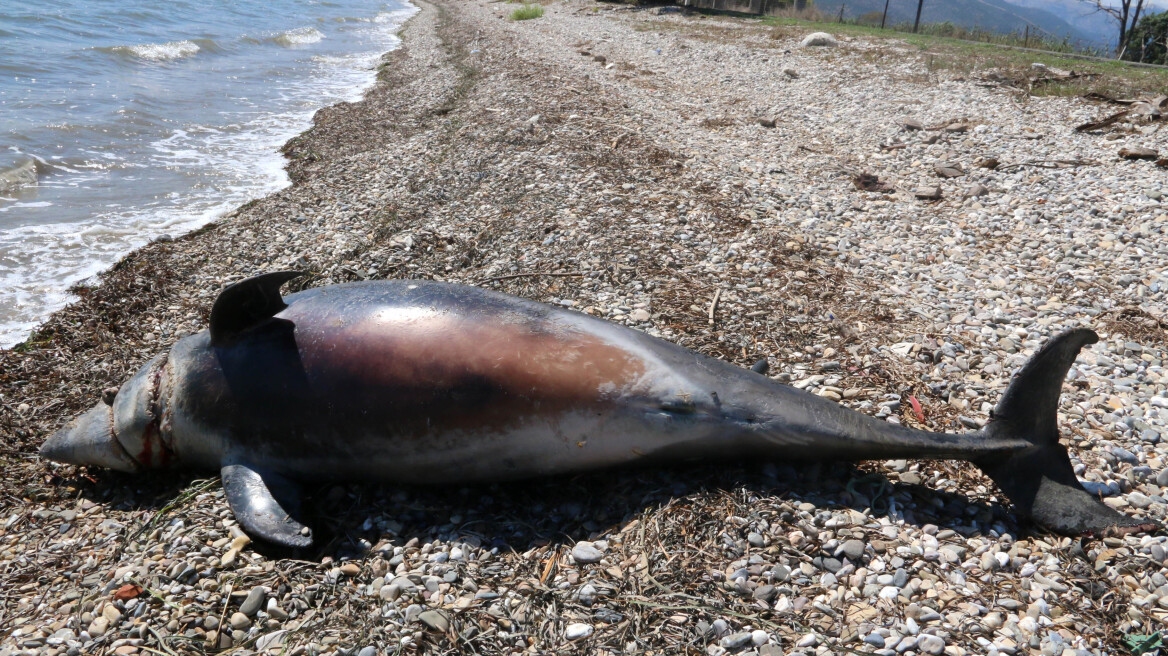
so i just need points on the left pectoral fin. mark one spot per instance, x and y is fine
(266, 504)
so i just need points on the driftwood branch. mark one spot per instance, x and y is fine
(1049, 164)
(531, 274)
(1102, 123)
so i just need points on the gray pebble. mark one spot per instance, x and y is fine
(832, 565)
(587, 595)
(254, 601)
(1125, 455)
(1162, 478)
(1139, 500)
(436, 620)
(853, 549)
(586, 553)
(735, 641)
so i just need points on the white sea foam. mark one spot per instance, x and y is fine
(395, 16)
(230, 157)
(159, 51)
(298, 37)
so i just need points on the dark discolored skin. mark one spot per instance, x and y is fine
(426, 382)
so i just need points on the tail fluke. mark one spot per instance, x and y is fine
(1040, 479)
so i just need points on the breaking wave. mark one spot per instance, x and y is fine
(157, 51)
(298, 37)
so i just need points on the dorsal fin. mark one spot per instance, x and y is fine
(1030, 404)
(246, 304)
(761, 367)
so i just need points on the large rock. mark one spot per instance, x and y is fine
(818, 39)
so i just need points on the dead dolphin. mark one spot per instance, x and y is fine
(425, 382)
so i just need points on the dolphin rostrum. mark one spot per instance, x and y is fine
(425, 382)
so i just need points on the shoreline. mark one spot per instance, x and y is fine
(618, 162)
(171, 165)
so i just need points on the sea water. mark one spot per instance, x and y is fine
(142, 118)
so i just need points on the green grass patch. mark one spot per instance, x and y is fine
(1113, 78)
(527, 12)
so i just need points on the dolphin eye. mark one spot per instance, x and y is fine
(108, 394)
(679, 407)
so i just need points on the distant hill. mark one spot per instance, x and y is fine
(1097, 25)
(994, 15)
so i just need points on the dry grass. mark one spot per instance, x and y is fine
(1136, 324)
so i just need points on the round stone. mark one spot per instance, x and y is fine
(931, 644)
(853, 549)
(239, 621)
(818, 39)
(578, 630)
(586, 553)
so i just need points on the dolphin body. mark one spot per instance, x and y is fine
(426, 382)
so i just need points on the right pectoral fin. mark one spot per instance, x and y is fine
(265, 504)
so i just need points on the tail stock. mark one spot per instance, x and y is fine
(1040, 479)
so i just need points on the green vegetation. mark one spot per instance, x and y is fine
(945, 29)
(527, 12)
(1149, 40)
(1112, 78)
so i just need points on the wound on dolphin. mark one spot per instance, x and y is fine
(425, 382)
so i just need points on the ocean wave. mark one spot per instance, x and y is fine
(396, 15)
(298, 37)
(157, 51)
(16, 172)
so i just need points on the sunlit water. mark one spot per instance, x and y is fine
(146, 118)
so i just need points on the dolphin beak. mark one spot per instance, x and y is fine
(89, 440)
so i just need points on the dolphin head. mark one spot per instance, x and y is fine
(122, 432)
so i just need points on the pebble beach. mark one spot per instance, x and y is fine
(893, 235)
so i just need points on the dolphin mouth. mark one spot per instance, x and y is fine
(89, 440)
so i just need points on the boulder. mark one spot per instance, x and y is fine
(818, 39)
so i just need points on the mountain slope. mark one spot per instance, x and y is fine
(1084, 17)
(994, 15)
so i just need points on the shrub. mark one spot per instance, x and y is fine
(527, 12)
